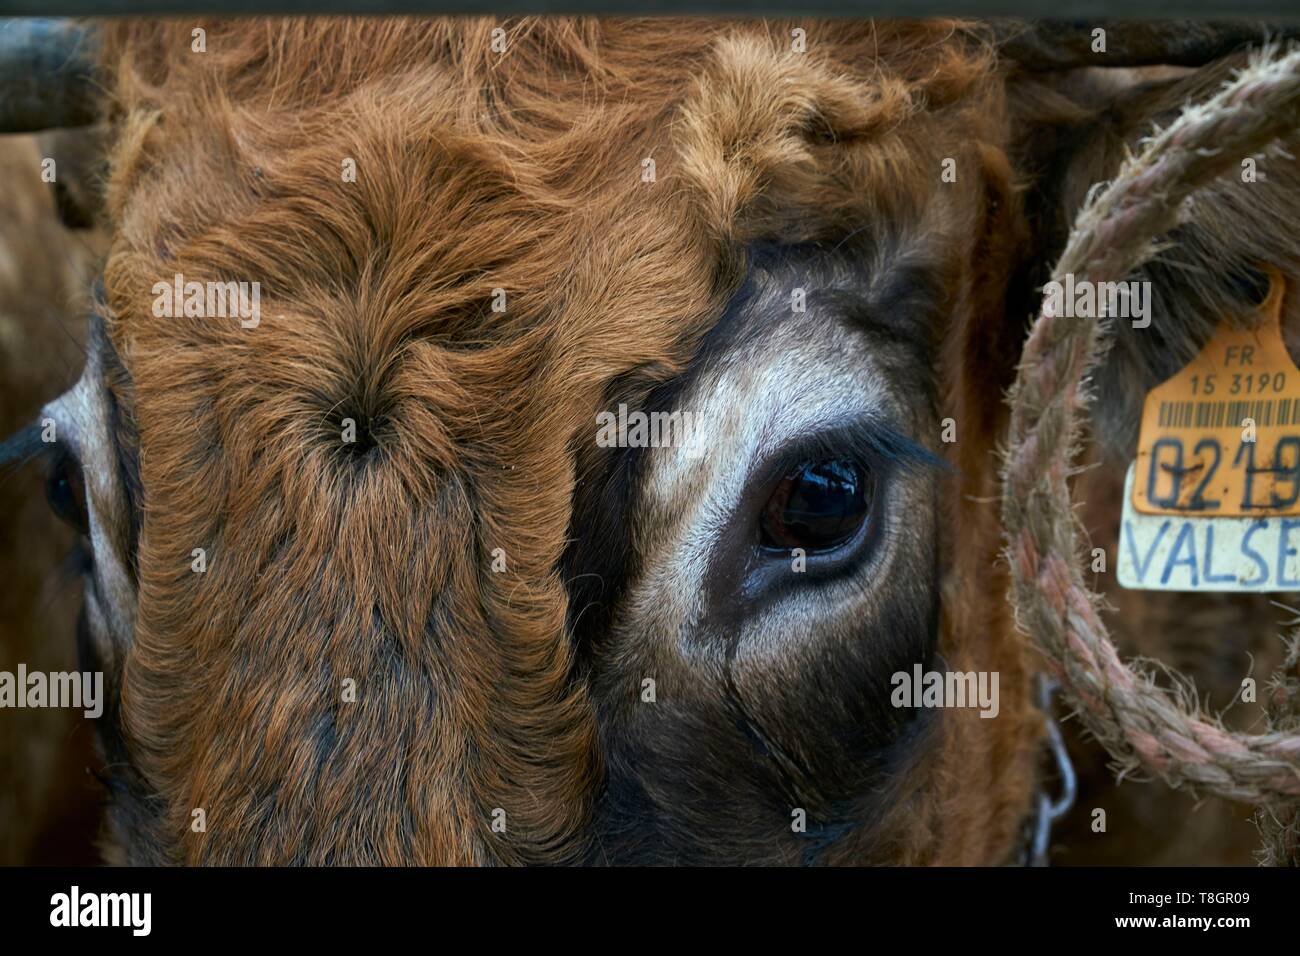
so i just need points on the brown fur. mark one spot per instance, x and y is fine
(477, 173)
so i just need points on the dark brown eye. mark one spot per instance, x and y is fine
(817, 506)
(66, 492)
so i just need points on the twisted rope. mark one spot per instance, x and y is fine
(1280, 826)
(1140, 724)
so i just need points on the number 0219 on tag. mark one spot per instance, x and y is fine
(1222, 437)
(1181, 553)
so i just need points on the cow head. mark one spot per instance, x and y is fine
(372, 573)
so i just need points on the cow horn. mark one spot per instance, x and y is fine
(47, 69)
(1067, 44)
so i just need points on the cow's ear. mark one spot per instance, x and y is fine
(1077, 130)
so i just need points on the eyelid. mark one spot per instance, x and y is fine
(66, 437)
(873, 444)
(879, 444)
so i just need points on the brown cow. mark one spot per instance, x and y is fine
(368, 582)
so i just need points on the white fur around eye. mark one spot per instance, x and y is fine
(81, 425)
(803, 375)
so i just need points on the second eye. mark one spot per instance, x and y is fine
(65, 491)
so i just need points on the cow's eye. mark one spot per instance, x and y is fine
(66, 492)
(817, 506)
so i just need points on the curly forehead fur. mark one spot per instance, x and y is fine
(477, 171)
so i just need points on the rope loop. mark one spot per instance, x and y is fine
(1140, 724)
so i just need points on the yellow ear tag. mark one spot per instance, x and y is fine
(1222, 437)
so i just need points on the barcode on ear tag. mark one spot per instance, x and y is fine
(1222, 437)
